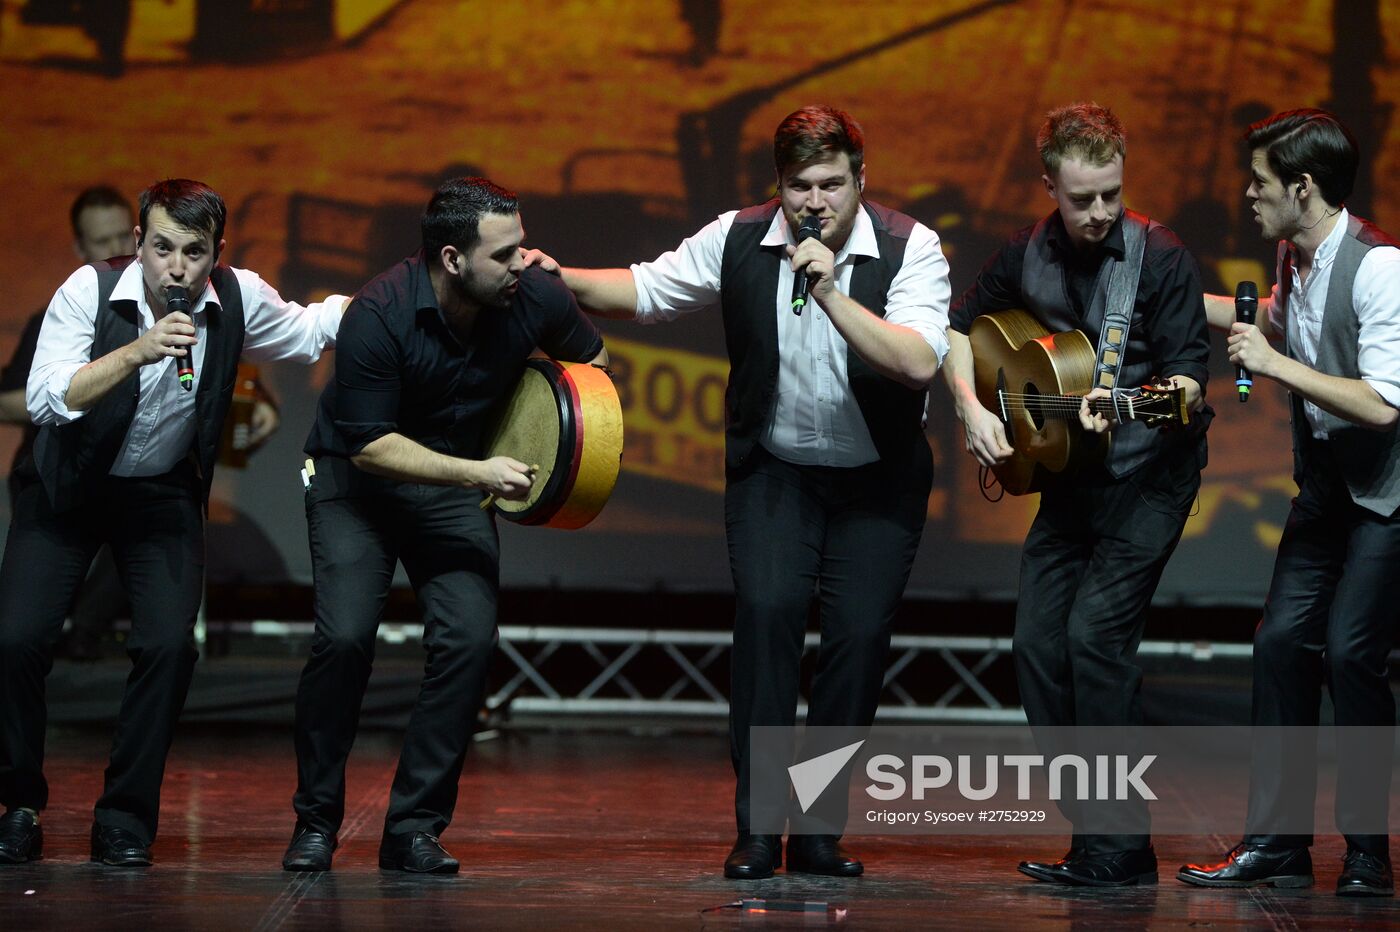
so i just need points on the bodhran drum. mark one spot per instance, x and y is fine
(567, 419)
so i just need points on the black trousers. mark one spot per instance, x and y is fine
(155, 527)
(1332, 612)
(1091, 562)
(451, 553)
(844, 536)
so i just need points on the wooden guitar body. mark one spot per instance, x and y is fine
(1016, 361)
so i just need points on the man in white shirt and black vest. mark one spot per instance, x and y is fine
(827, 468)
(128, 437)
(1334, 599)
(1102, 535)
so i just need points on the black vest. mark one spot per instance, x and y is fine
(1369, 459)
(73, 459)
(893, 413)
(1046, 292)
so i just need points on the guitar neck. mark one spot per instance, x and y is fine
(1156, 406)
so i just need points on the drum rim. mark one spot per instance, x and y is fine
(556, 490)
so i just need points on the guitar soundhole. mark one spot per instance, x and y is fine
(1034, 408)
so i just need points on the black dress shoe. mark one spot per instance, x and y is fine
(1050, 870)
(417, 853)
(310, 850)
(1253, 866)
(117, 847)
(1365, 875)
(754, 857)
(1114, 869)
(820, 854)
(21, 838)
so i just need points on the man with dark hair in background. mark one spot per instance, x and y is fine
(1102, 536)
(102, 221)
(827, 470)
(125, 457)
(397, 473)
(1335, 594)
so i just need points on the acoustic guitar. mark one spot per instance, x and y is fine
(1034, 381)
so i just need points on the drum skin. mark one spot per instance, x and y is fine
(567, 419)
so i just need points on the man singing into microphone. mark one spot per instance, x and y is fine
(1335, 594)
(827, 468)
(1102, 536)
(125, 456)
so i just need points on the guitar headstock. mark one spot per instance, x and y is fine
(1160, 404)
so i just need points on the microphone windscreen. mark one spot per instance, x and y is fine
(1246, 301)
(177, 298)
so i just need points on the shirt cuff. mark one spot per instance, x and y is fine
(1389, 391)
(1192, 370)
(646, 307)
(360, 434)
(51, 408)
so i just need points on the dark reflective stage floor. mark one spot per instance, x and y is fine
(562, 831)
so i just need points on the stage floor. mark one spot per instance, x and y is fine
(567, 830)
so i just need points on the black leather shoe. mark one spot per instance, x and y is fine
(309, 851)
(820, 854)
(117, 847)
(1115, 869)
(417, 853)
(1365, 875)
(1050, 870)
(21, 838)
(754, 857)
(1253, 866)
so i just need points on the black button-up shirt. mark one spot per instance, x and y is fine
(400, 369)
(1168, 299)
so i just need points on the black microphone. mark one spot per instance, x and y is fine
(811, 226)
(177, 299)
(1246, 303)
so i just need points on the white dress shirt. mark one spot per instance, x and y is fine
(815, 420)
(163, 429)
(1376, 297)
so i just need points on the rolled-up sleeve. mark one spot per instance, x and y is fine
(275, 328)
(686, 279)
(367, 377)
(919, 295)
(64, 347)
(1376, 297)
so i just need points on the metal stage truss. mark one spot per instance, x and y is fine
(623, 672)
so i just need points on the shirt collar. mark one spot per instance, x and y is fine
(1113, 242)
(861, 242)
(424, 298)
(1328, 250)
(132, 287)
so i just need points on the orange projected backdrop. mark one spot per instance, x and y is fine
(625, 126)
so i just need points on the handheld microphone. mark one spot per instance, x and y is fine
(811, 226)
(177, 299)
(1246, 303)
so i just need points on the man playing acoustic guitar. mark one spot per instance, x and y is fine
(1103, 534)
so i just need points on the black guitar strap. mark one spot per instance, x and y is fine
(1118, 308)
